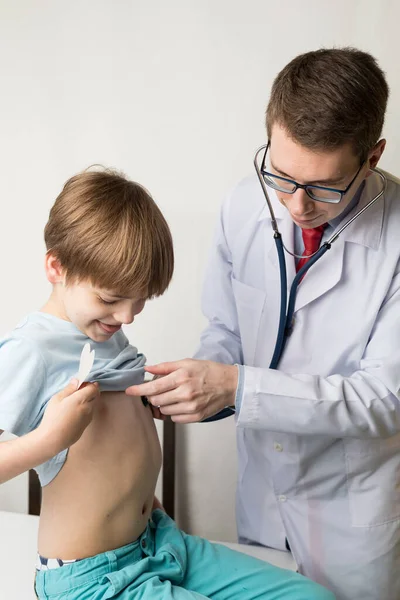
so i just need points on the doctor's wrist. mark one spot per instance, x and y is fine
(231, 377)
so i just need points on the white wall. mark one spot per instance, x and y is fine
(173, 93)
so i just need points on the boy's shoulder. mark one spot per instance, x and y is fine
(38, 334)
(59, 342)
(23, 376)
(42, 348)
(34, 327)
(27, 337)
(54, 346)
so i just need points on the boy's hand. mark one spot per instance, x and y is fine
(68, 414)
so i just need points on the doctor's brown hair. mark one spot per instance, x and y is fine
(330, 97)
(108, 230)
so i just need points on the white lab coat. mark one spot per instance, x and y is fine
(319, 439)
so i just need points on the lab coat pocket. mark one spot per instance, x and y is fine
(373, 476)
(249, 305)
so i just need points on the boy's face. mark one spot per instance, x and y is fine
(97, 312)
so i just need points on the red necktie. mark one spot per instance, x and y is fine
(312, 239)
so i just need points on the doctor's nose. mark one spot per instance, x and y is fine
(301, 204)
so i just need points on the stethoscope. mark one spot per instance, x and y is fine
(287, 308)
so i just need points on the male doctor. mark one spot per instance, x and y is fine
(318, 438)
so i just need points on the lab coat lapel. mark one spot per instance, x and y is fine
(326, 273)
(322, 276)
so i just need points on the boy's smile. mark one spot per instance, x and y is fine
(95, 311)
(109, 329)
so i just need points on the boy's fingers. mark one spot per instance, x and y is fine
(68, 390)
(87, 392)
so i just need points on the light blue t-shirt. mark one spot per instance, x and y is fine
(39, 358)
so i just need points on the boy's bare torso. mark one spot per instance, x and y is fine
(103, 496)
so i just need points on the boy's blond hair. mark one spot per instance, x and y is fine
(108, 230)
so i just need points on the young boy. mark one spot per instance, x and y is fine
(109, 249)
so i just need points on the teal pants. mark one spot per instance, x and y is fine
(166, 564)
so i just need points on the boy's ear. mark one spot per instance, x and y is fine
(54, 271)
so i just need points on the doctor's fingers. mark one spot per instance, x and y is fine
(180, 395)
(153, 388)
(185, 419)
(181, 408)
(157, 414)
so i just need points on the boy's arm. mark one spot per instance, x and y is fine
(21, 454)
(66, 417)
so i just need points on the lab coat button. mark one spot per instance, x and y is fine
(282, 498)
(278, 447)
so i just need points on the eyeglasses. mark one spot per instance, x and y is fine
(315, 192)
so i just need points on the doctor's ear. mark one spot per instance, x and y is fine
(54, 271)
(375, 154)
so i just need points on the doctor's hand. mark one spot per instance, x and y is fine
(189, 390)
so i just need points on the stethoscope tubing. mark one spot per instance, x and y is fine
(287, 308)
(286, 311)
